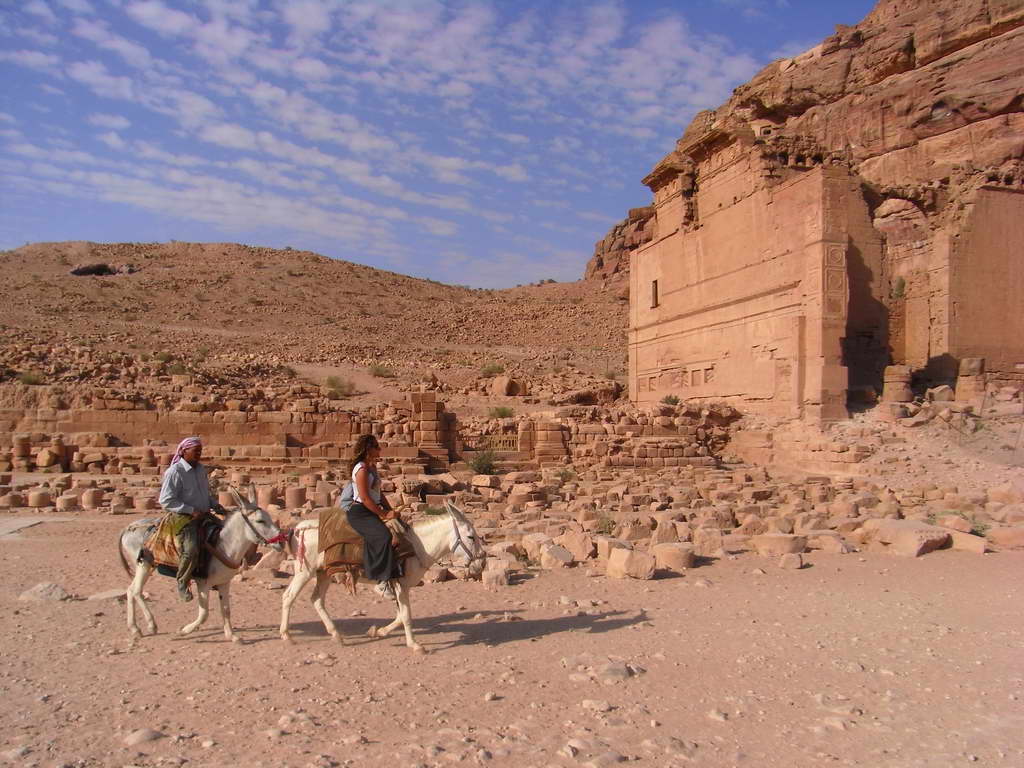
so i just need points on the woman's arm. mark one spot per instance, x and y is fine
(363, 485)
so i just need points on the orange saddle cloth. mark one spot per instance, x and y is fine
(343, 546)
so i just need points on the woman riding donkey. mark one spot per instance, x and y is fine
(370, 508)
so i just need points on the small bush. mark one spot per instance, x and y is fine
(177, 370)
(433, 511)
(288, 371)
(565, 475)
(484, 463)
(492, 369)
(30, 378)
(501, 412)
(670, 400)
(381, 371)
(164, 357)
(899, 288)
(202, 353)
(339, 388)
(605, 526)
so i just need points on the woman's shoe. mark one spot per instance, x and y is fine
(385, 589)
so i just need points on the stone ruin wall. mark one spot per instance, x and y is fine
(859, 206)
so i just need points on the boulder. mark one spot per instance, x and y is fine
(791, 561)
(1006, 536)
(674, 556)
(630, 564)
(581, 545)
(554, 556)
(912, 538)
(46, 590)
(777, 544)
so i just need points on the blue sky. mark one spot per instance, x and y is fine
(479, 143)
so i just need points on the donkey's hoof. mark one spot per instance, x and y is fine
(371, 632)
(237, 640)
(417, 648)
(286, 638)
(339, 639)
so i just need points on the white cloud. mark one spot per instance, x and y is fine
(40, 9)
(229, 135)
(78, 6)
(95, 75)
(44, 62)
(114, 122)
(158, 17)
(112, 140)
(6, 118)
(307, 18)
(308, 68)
(96, 31)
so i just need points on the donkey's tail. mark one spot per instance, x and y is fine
(120, 551)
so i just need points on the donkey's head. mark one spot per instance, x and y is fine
(260, 526)
(466, 545)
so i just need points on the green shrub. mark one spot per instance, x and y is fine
(670, 400)
(605, 526)
(381, 371)
(501, 412)
(30, 378)
(288, 371)
(164, 357)
(484, 463)
(492, 369)
(565, 475)
(339, 388)
(899, 288)
(177, 370)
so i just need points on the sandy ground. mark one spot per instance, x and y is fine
(867, 660)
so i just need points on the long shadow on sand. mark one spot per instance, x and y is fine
(490, 628)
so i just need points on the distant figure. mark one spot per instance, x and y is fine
(369, 510)
(185, 494)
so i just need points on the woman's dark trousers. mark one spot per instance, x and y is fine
(378, 554)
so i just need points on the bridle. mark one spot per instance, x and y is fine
(280, 537)
(460, 542)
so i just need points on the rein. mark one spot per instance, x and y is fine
(281, 536)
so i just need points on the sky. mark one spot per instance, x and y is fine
(481, 143)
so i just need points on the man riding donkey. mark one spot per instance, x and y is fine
(185, 495)
(367, 515)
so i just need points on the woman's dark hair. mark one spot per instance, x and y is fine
(363, 445)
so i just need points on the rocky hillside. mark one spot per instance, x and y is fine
(240, 304)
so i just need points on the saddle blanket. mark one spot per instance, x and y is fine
(343, 546)
(162, 544)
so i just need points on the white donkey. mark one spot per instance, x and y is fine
(244, 529)
(434, 538)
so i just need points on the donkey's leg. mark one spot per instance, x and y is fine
(323, 582)
(403, 617)
(204, 608)
(224, 595)
(299, 581)
(133, 594)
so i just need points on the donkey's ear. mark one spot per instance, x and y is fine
(252, 494)
(454, 511)
(238, 499)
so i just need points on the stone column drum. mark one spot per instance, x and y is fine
(897, 384)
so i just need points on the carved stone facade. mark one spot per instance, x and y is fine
(805, 236)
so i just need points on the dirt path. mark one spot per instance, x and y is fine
(861, 660)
